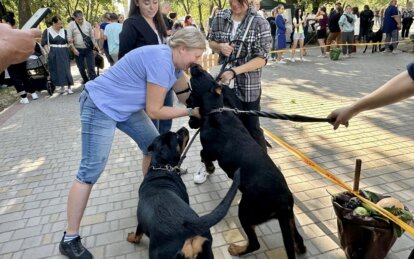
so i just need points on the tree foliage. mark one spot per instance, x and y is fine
(92, 9)
(199, 9)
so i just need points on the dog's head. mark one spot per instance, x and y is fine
(206, 93)
(197, 247)
(167, 148)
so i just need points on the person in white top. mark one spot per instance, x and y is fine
(298, 33)
(355, 12)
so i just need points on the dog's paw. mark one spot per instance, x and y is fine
(236, 250)
(301, 249)
(133, 238)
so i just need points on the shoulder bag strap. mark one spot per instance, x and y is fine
(245, 34)
(83, 34)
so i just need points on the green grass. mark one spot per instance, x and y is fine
(8, 96)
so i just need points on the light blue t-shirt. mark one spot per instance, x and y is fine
(122, 90)
(112, 32)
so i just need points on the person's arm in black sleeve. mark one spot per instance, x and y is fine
(126, 38)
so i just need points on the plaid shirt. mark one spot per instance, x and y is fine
(257, 44)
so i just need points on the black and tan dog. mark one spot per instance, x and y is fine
(265, 193)
(376, 39)
(164, 214)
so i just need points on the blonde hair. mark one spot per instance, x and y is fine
(189, 37)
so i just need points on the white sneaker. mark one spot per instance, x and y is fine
(281, 62)
(35, 96)
(201, 176)
(322, 56)
(293, 60)
(24, 100)
(69, 91)
(61, 90)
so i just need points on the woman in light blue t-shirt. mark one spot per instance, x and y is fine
(127, 97)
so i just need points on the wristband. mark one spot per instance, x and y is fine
(232, 70)
(190, 111)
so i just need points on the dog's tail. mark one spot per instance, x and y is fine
(202, 224)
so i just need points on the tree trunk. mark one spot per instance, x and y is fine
(24, 12)
(200, 15)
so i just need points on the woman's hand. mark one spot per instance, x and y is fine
(227, 76)
(226, 49)
(196, 113)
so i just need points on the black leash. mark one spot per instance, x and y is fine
(184, 154)
(228, 60)
(272, 115)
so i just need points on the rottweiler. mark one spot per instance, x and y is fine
(164, 214)
(374, 37)
(265, 193)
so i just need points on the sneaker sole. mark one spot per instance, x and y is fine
(200, 182)
(62, 251)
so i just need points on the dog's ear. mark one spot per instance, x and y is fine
(218, 89)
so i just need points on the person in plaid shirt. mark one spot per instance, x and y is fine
(225, 36)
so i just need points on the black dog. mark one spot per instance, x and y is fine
(164, 214)
(265, 194)
(230, 100)
(374, 37)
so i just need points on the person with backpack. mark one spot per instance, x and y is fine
(80, 37)
(346, 23)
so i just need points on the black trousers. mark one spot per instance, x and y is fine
(252, 123)
(20, 79)
(406, 24)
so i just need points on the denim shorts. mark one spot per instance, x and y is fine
(98, 130)
(298, 36)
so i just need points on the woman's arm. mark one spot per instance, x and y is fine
(127, 38)
(398, 88)
(155, 104)
(182, 85)
(280, 23)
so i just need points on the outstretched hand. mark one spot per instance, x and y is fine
(341, 116)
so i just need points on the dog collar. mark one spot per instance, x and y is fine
(224, 109)
(167, 168)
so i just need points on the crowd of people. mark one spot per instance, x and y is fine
(342, 25)
(149, 52)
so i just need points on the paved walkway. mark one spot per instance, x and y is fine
(40, 153)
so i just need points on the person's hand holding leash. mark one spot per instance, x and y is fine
(16, 45)
(342, 116)
(228, 75)
(226, 49)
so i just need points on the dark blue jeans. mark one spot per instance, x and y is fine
(164, 126)
(88, 56)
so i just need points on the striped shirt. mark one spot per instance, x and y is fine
(258, 42)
